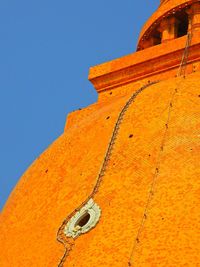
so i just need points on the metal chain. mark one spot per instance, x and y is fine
(68, 242)
(183, 65)
(153, 183)
(181, 71)
(60, 235)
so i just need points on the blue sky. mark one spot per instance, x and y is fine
(46, 49)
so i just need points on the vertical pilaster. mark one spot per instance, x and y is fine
(194, 18)
(168, 28)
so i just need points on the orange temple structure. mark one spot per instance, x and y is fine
(121, 186)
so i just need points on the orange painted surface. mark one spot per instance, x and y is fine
(160, 133)
(159, 62)
(165, 9)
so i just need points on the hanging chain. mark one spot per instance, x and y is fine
(183, 65)
(153, 183)
(68, 242)
(181, 72)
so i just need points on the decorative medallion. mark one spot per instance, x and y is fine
(84, 220)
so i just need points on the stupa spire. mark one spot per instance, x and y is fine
(172, 20)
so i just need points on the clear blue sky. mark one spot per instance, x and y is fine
(46, 49)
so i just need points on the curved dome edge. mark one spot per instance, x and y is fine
(165, 8)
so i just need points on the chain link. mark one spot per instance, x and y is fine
(66, 241)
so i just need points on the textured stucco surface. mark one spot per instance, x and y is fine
(160, 134)
(64, 175)
(164, 10)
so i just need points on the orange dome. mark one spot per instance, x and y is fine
(120, 187)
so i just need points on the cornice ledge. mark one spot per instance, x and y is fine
(142, 64)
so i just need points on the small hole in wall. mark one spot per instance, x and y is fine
(110, 93)
(108, 118)
(131, 135)
(83, 220)
(198, 95)
(46, 170)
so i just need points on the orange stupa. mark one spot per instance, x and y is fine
(121, 186)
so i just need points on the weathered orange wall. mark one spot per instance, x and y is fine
(61, 178)
(65, 174)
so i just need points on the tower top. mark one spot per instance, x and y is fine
(171, 14)
(165, 35)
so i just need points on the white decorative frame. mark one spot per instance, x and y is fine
(74, 230)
